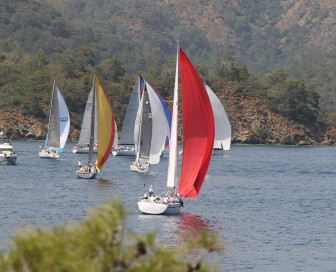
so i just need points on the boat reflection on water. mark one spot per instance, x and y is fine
(193, 225)
(174, 230)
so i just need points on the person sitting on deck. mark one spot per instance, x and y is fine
(86, 168)
(145, 196)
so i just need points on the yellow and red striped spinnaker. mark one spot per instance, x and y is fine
(106, 126)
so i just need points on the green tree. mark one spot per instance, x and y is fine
(111, 69)
(84, 58)
(292, 99)
(100, 244)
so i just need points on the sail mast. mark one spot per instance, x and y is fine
(172, 165)
(53, 136)
(51, 102)
(93, 111)
(139, 115)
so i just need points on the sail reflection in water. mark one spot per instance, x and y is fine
(193, 225)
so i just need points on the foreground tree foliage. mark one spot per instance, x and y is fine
(100, 244)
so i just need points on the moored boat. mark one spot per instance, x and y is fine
(8, 155)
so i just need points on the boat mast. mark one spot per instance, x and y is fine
(93, 111)
(51, 103)
(140, 124)
(172, 165)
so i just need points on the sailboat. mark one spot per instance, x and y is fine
(222, 124)
(198, 140)
(82, 147)
(106, 132)
(8, 155)
(129, 134)
(126, 146)
(151, 129)
(144, 125)
(58, 128)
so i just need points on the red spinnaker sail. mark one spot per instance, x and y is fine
(198, 130)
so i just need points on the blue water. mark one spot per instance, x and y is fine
(273, 207)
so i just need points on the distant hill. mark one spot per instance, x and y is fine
(70, 40)
(262, 34)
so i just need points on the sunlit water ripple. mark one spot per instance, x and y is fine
(273, 207)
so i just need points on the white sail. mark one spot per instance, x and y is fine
(137, 128)
(64, 118)
(222, 123)
(172, 164)
(84, 137)
(127, 132)
(159, 126)
(115, 143)
(58, 126)
(53, 136)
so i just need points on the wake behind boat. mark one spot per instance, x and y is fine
(8, 155)
(198, 139)
(58, 127)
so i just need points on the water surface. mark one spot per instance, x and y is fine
(273, 207)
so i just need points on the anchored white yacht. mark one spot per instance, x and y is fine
(7, 152)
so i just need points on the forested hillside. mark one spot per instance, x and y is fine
(263, 48)
(263, 35)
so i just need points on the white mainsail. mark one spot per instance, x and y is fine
(115, 143)
(64, 119)
(172, 164)
(58, 126)
(137, 128)
(84, 137)
(127, 132)
(222, 123)
(159, 126)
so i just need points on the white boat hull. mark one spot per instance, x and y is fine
(8, 160)
(84, 150)
(148, 206)
(141, 169)
(43, 154)
(7, 153)
(120, 151)
(86, 175)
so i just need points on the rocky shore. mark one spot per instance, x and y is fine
(251, 120)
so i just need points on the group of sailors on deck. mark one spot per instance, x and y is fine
(87, 168)
(165, 200)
